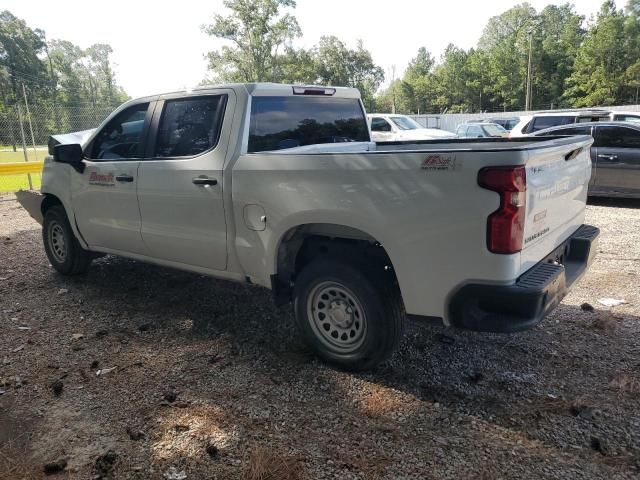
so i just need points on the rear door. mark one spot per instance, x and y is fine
(618, 159)
(180, 181)
(104, 196)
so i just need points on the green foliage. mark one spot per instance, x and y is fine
(571, 66)
(599, 76)
(54, 74)
(255, 31)
(258, 37)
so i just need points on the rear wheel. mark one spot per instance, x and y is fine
(63, 250)
(350, 316)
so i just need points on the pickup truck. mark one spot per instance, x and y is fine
(280, 186)
(396, 128)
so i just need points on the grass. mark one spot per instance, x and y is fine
(13, 183)
(7, 154)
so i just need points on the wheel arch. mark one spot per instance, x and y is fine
(302, 243)
(51, 200)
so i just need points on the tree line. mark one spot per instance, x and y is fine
(260, 34)
(74, 85)
(575, 62)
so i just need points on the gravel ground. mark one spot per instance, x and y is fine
(211, 381)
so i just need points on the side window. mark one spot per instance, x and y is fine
(617, 137)
(626, 118)
(572, 131)
(474, 132)
(121, 138)
(380, 125)
(189, 126)
(540, 123)
(461, 131)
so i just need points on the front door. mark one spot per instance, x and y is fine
(180, 185)
(104, 196)
(617, 159)
(381, 130)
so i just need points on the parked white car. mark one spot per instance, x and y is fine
(529, 124)
(280, 186)
(399, 128)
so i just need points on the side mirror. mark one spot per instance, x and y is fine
(71, 154)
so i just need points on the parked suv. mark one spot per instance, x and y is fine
(539, 121)
(615, 156)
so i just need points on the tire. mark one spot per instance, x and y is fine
(350, 315)
(63, 250)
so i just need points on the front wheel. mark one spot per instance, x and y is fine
(63, 250)
(349, 316)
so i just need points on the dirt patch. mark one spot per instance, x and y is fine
(135, 371)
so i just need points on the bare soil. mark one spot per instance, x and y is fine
(136, 371)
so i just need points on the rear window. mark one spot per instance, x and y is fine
(540, 123)
(286, 122)
(626, 118)
(494, 130)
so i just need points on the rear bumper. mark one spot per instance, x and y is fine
(512, 308)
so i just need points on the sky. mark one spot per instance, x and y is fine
(159, 46)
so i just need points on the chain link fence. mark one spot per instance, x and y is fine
(25, 131)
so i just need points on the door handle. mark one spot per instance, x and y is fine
(124, 178)
(611, 158)
(204, 181)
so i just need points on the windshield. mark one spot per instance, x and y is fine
(405, 123)
(494, 130)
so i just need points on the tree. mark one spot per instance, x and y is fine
(256, 32)
(601, 63)
(336, 64)
(450, 80)
(505, 41)
(559, 34)
(416, 88)
(19, 50)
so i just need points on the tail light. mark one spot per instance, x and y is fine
(505, 226)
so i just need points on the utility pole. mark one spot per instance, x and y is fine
(527, 106)
(33, 138)
(393, 89)
(24, 143)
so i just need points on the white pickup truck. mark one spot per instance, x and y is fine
(280, 186)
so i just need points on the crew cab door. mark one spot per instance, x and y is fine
(104, 196)
(617, 159)
(180, 181)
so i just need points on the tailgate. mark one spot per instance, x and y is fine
(557, 182)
